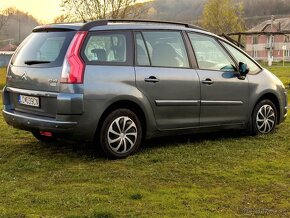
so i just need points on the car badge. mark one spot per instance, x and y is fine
(24, 76)
(53, 82)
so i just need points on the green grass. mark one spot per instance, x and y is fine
(2, 77)
(225, 174)
(212, 175)
(283, 72)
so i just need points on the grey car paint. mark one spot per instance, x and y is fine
(178, 101)
(175, 98)
(267, 84)
(224, 98)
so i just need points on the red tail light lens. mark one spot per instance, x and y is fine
(73, 66)
(45, 133)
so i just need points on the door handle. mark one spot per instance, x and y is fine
(151, 79)
(207, 81)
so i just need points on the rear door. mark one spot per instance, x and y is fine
(164, 75)
(224, 96)
(35, 70)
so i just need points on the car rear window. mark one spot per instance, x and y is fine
(43, 49)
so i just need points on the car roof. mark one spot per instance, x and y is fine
(117, 24)
(63, 26)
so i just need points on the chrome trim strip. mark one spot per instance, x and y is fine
(28, 119)
(177, 102)
(221, 103)
(32, 92)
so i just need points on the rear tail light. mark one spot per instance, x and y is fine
(73, 65)
(45, 133)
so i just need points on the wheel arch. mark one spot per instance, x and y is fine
(272, 97)
(127, 104)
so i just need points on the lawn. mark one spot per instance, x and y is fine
(225, 174)
(2, 77)
(283, 72)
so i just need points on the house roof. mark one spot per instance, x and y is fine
(281, 24)
(8, 47)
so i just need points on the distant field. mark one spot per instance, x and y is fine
(283, 72)
(2, 77)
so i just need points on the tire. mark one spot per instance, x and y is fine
(43, 138)
(121, 134)
(264, 118)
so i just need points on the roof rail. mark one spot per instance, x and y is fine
(91, 24)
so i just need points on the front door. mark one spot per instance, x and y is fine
(224, 96)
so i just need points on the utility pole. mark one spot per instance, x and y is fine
(19, 28)
(271, 43)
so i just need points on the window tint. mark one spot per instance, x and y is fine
(240, 57)
(50, 49)
(44, 46)
(209, 53)
(106, 47)
(165, 48)
(142, 57)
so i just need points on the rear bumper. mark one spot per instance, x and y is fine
(69, 122)
(30, 122)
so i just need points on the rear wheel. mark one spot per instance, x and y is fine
(120, 134)
(264, 117)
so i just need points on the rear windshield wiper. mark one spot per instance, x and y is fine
(32, 62)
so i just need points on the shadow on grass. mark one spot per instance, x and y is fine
(92, 151)
(192, 138)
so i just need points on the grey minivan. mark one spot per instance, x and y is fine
(117, 82)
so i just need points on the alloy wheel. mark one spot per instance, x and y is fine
(265, 119)
(122, 134)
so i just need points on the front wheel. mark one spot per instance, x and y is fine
(120, 134)
(264, 117)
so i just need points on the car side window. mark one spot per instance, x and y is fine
(142, 58)
(164, 49)
(240, 57)
(106, 48)
(209, 53)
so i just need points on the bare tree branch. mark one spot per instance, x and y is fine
(75, 10)
(4, 16)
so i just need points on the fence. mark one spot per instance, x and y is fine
(5, 57)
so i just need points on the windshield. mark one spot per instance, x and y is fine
(43, 49)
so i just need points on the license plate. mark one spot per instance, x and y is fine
(28, 100)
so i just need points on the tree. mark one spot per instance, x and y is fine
(84, 10)
(4, 16)
(223, 16)
(62, 18)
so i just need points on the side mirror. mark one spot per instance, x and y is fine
(243, 69)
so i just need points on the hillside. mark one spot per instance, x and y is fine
(191, 11)
(182, 10)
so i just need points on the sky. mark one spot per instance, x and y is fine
(43, 10)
